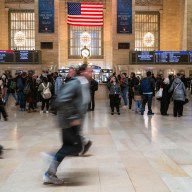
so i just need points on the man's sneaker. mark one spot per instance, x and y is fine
(86, 147)
(51, 179)
(150, 113)
(47, 112)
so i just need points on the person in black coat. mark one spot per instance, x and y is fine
(93, 88)
(166, 96)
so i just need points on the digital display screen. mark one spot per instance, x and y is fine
(171, 56)
(145, 56)
(161, 57)
(6, 56)
(24, 56)
(190, 56)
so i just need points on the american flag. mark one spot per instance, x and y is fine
(85, 14)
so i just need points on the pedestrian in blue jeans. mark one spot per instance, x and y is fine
(147, 90)
(124, 88)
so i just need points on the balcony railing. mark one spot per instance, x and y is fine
(20, 1)
(148, 2)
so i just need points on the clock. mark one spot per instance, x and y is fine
(85, 52)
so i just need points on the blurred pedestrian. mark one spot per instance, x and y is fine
(72, 105)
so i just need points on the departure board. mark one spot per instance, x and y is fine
(145, 56)
(161, 57)
(24, 56)
(6, 56)
(20, 57)
(172, 57)
(190, 56)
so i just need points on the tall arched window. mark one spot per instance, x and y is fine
(147, 31)
(22, 20)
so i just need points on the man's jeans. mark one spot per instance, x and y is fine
(147, 98)
(7, 96)
(124, 94)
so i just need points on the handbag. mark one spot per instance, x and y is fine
(186, 101)
(159, 93)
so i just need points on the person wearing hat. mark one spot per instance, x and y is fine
(166, 96)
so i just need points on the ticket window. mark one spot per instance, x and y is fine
(96, 75)
(105, 74)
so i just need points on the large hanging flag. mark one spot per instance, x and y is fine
(85, 14)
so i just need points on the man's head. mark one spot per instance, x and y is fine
(86, 71)
(178, 75)
(148, 73)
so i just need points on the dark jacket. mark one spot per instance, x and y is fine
(93, 85)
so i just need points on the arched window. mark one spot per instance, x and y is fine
(24, 21)
(146, 31)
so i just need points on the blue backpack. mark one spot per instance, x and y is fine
(146, 86)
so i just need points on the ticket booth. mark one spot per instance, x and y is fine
(105, 74)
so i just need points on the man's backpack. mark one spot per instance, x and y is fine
(46, 94)
(12, 85)
(146, 86)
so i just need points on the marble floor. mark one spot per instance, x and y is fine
(130, 152)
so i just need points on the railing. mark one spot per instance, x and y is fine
(137, 2)
(148, 2)
(20, 1)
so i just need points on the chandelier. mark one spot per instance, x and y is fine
(19, 38)
(148, 39)
(85, 39)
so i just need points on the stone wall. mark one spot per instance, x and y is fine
(49, 56)
(170, 25)
(4, 26)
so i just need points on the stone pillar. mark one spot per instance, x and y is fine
(49, 56)
(171, 25)
(189, 24)
(4, 26)
(121, 56)
(63, 34)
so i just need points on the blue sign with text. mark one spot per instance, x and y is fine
(124, 16)
(46, 16)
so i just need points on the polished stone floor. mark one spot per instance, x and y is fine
(130, 152)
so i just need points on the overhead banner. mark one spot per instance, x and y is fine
(124, 16)
(46, 16)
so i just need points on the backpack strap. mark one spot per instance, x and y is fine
(44, 85)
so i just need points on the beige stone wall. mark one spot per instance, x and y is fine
(121, 56)
(189, 24)
(4, 26)
(49, 56)
(171, 25)
(63, 34)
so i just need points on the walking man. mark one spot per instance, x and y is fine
(72, 105)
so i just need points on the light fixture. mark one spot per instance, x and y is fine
(85, 39)
(19, 36)
(148, 38)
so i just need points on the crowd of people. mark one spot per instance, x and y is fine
(123, 90)
(29, 89)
